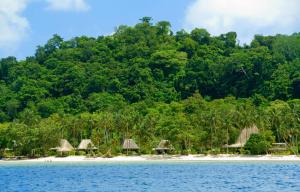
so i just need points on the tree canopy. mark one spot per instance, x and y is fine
(195, 89)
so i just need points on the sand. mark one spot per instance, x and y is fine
(165, 158)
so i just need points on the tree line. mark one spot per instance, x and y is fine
(150, 83)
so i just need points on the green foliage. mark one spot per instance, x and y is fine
(105, 102)
(259, 143)
(148, 83)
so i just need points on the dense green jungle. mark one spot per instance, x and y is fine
(148, 83)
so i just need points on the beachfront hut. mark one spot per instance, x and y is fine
(64, 146)
(86, 144)
(163, 147)
(278, 147)
(130, 145)
(243, 137)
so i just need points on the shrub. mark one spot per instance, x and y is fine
(258, 143)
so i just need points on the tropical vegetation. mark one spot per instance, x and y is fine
(149, 83)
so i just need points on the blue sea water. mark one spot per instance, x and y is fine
(150, 176)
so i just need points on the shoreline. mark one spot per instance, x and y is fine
(164, 158)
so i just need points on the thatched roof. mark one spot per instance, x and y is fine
(277, 147)
(130, 144)
(86, 144)
(243, 137)
(164, 145)
(65, 146)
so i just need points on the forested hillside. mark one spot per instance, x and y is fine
(149, 83)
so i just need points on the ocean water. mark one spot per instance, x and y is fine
(150, 176)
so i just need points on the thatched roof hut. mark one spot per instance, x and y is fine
(129, 144)
(243, 137)
(65, 146)
(164, 146)
(278, 147)
(86, 144)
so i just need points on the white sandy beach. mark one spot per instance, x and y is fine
(165, 158)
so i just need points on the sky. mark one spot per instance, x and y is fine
(25, 24)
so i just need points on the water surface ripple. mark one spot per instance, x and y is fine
(151, 176)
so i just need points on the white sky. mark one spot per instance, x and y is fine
(246, 17)
(66, 5)
(14, 27)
